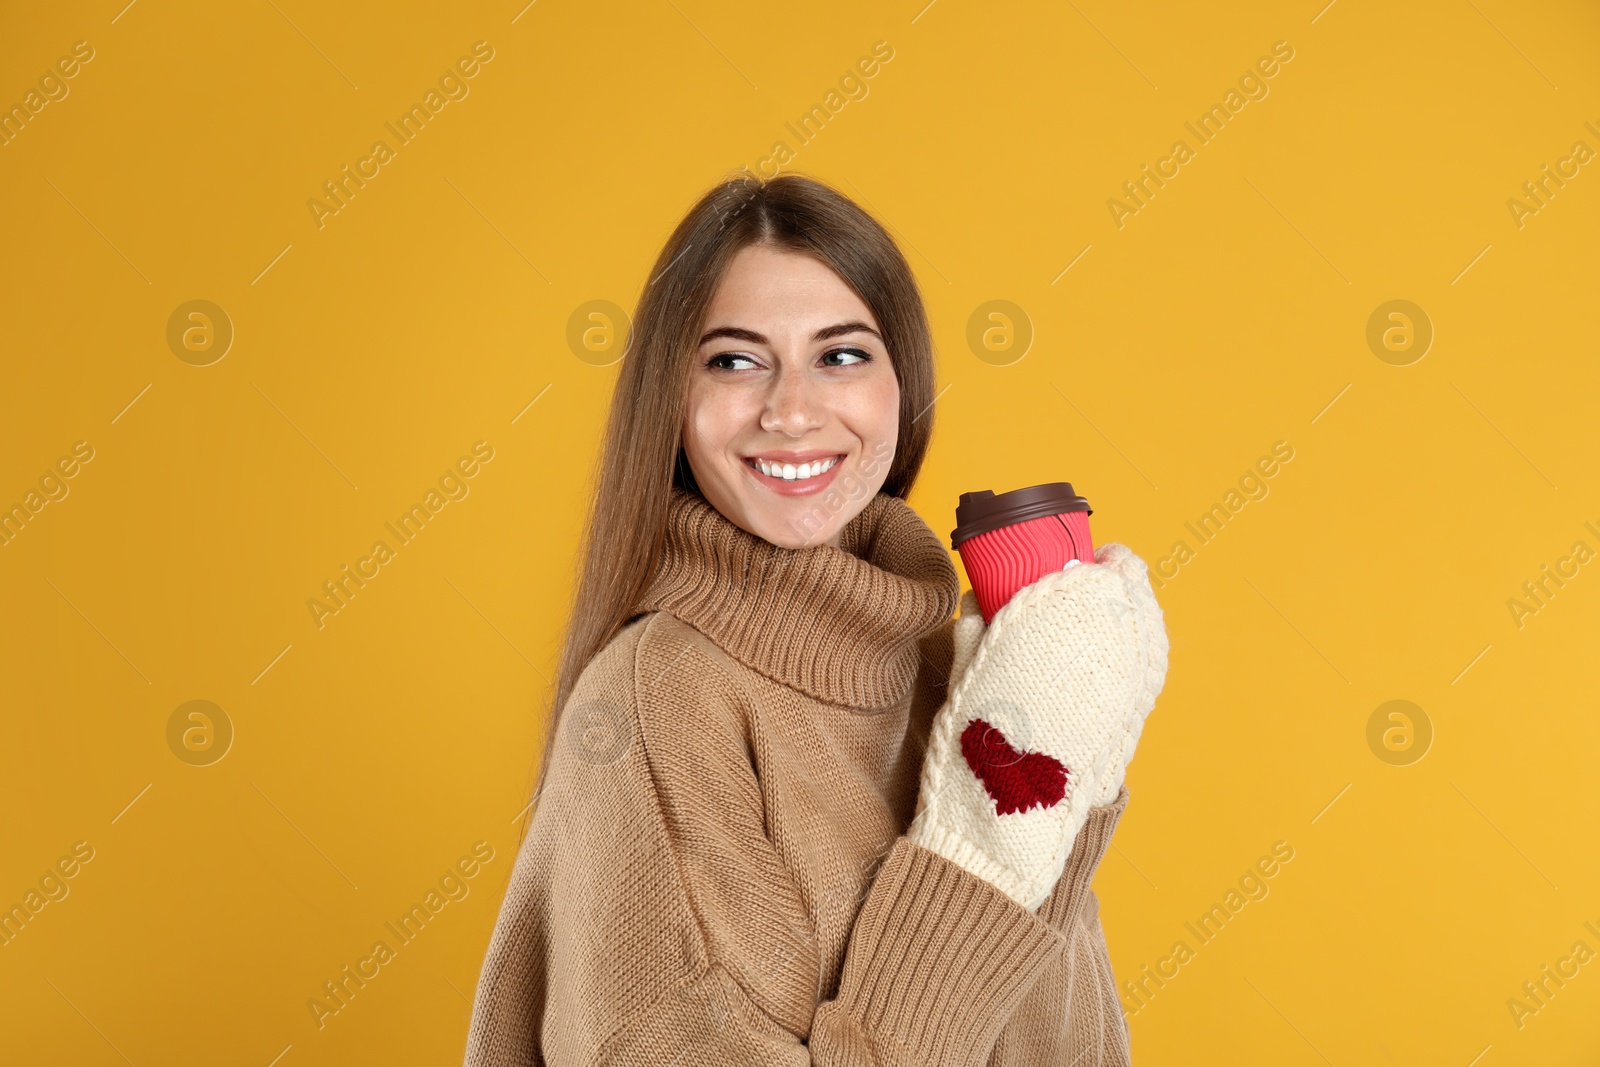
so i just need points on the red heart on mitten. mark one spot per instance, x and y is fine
(1016, 781)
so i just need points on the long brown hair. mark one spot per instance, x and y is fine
(643, 458)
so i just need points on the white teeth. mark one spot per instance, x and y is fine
(790, 473)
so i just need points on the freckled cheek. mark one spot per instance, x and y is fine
(716, 422)
(874, 414)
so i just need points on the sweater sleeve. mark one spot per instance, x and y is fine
(1073, 1013)
(650, 920)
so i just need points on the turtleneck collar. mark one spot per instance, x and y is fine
(839, 624)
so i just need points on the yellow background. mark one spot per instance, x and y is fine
(369, 354)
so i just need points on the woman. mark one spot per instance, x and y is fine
(765, 830)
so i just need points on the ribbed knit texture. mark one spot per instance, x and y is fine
(718, 873)
(838, 624)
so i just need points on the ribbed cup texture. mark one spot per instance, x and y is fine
(1002, 561)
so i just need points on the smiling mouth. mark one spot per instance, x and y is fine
(794, 472)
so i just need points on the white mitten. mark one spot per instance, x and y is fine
(1044, 709)
(965, 635)
(1153, 629)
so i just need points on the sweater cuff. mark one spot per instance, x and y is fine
(940, 959)
(1073, 889)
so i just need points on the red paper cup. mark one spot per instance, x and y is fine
(1013, 539)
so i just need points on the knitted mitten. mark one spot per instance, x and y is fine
(1044, 709)
(1147, 613)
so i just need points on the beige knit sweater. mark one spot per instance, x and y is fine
(717, 871)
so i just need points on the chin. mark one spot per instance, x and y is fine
(805, 524)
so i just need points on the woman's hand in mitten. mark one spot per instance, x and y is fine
(1044, 706)
(1153, 633)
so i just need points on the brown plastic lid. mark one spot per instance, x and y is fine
(982, 511)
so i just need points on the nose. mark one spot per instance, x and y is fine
(791, 405)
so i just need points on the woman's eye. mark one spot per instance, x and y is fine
(865, 356)
(739, 361)
(723, 360)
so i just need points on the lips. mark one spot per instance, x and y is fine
(794, 468)
(797, 486)
(797, 458)
(778, 460)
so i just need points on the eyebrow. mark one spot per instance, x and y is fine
(838, 329)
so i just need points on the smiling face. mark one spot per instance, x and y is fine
(793, 406)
